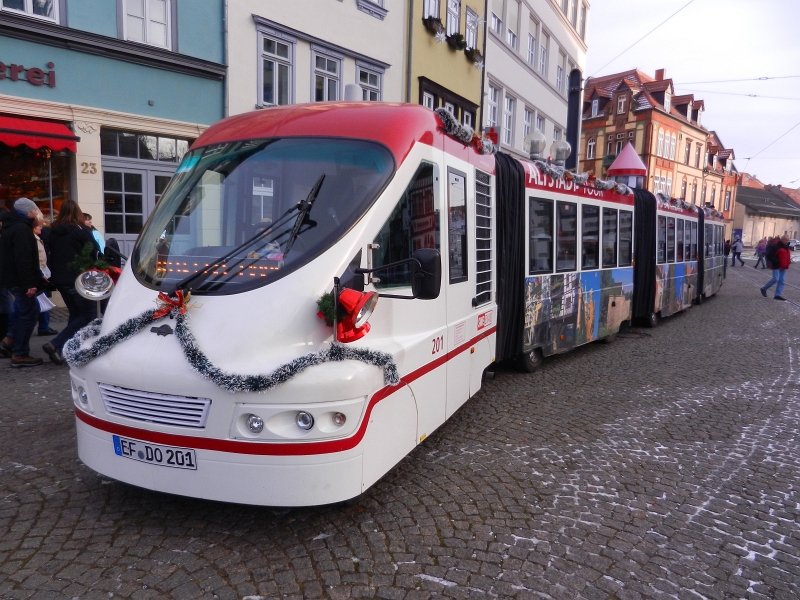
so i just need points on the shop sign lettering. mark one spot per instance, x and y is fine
(33, 75)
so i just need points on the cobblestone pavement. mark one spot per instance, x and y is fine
(665, 465)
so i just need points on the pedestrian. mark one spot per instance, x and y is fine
(44, 316)
(19, 272)
(736, 249)
(780, 263)
(6, 301)
(726, 249)
(761, 253)
(68, 238)
(101, 243)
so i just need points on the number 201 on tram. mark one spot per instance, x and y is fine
(243, 394)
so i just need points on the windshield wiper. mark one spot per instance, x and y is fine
(305, 209)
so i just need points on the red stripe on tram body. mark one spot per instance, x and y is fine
(273, 449)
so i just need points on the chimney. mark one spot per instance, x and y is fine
(659, 74)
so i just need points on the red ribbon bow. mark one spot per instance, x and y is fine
(169, 304)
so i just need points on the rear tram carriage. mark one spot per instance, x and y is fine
(428, 257)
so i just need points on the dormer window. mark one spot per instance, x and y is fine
(689, 112)
(699, 114)
(621, 105)
(595, 107)
(667, 99)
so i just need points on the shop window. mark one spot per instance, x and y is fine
(413, 224)
(670, 240)
(567, 240)
(483, 238)
(609, 237)
(661, 240)
(540, 244)
(625, 238)
(457, 225)
(33, 174)
(590, 237)
(142, 146)
(679, 241)
(146, 21)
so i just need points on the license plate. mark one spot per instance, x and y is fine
(163, 456)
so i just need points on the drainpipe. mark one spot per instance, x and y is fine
(410, 50)
(479, 116)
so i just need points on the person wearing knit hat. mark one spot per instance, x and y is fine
(19, 273)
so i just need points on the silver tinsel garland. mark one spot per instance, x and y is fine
(77, 356)
(464, 133)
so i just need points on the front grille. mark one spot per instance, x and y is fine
(183, 411)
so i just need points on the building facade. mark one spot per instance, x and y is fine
(297, 51)
(532, 46)
(683, 159)
(100, 99)
(764, 211)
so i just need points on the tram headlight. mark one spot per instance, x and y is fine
(94, 285)
(255, 423)
(304, 420)
(339, 419)
(83, 397)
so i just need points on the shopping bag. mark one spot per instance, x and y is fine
(45, 303)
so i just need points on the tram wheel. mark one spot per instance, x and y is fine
(528, 362)
(610, 339)
(653, 319)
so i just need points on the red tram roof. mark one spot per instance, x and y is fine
(396, 126)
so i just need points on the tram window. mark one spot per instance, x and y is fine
(694, 241)
(670, 239)
(567, 244)
(661, 242)
(399, 237)
(590, 237)
(688, 241)
(457, 225)
(609, 237)
(679, 240)
(541, 236)
(708, 240)
(625, 238)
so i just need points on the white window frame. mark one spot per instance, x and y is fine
(28, 11)
(660, 148)
(509, 108)
(432, 8)
(453, 16)
(326, 75)
(279, 60)
(428, 101)
(497, 24)
(557, 134)
(531, 49)
(590, 145)
(672, 144)
(126, 34)
(621, 104)
(560, 78)
(543, 49)
(471, 33)
(618, 147)
(527, 123)
(595, 107)
(451, 108)
(582, 26)
(573, 15)
(666, 101)
(511, 38)
(369, 88)
(466, 118)
(492, 102)
(541, 123)
(669, 186)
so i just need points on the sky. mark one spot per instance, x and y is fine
(711, 41)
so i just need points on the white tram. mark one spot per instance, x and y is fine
(438, 259)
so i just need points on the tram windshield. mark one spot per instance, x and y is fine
(240, 215)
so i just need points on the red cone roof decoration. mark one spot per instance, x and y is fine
(627, 163)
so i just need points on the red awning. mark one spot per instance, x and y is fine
(15, 131)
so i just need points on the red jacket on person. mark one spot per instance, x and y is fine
(783, 258)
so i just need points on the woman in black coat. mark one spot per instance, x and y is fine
(68, 237)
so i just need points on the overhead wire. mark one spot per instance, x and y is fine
(749, 158)
(738, 94)
(641, 38)
(739, 80)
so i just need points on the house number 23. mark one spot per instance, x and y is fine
(90, 168)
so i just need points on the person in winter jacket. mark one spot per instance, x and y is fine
(736, 249)
(68, 237)
(780, 263)
(19, 273)
(761, 253)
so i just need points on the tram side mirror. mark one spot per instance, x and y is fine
(426, 280)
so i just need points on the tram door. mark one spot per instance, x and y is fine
(459, 222)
